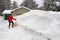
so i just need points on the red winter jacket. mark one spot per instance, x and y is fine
(10, 18)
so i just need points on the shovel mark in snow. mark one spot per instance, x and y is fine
(35, 33)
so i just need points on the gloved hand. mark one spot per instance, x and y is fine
(15, 19)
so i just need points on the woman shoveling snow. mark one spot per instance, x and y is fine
(10, 20)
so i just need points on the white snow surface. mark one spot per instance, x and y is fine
(33, 25)
(7, 11)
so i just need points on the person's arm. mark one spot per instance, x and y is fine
(13, 18)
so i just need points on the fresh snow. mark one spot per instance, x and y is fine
(7, 11)
(33, 25)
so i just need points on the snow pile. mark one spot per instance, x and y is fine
(38, 20)
(42, 21)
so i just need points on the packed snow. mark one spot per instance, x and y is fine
(33, 25)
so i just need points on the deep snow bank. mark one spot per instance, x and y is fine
(42, 21)
(39, 20)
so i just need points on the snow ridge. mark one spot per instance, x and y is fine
(35, 33)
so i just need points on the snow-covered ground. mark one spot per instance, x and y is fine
(33, 25)
(1, 18)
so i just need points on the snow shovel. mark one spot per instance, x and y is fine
(15, 24)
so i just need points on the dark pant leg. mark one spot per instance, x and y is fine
(12, 23)
(9, 24)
